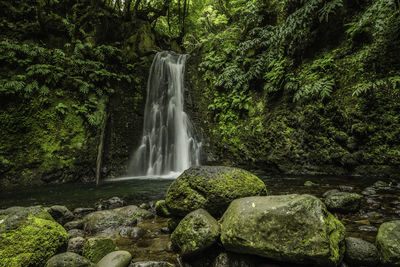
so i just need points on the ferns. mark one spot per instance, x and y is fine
(329, 9)
(321, 88)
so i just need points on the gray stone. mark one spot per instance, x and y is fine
(107, 220)
(112, 203)
(151, 264)
(211, 188)
(76, 245)
(61, 214)
(118, 258)
(68, 259)
(80, 212)
(343, 202)
(74, 225)
(75, 233)
(132, 232)
(388, 243)
(360, 253)
(228, 259)
(195, 233)
(289, 228)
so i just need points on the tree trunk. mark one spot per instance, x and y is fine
(100, 150)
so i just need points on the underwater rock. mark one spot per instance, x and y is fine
(29, 236)
(195, 233)
(388, 243)
(343, 202)
(118, 258)
(288, 228)
(360, 252)
(69, 259)
(96, 248)
(211, 188)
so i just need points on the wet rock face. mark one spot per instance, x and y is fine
(29, 236)
(343, 201)
(211, 188)
(195, 233)
(360, 253)
(388, 243)
(289, 228)
(68, 259)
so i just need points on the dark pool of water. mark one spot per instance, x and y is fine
(385, 207)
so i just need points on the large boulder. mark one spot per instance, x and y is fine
(360, 253)
(289, 228)
(29, 236)
(195, 233)
(388, 243)
(118, 258)
(96, 248)
(68, 259)
(107, 220)
(343, 201)
(211, 188)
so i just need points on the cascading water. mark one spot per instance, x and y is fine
(168, 145)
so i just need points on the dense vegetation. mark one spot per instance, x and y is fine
(298, 86)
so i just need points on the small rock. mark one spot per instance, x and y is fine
(76, 245)
(118, 258)
(68, 259)
(346, 188)
(74, 225)
(196, 232)
(309, 184)
(112, 203)
(96, 248)
(360, 252)
(327, 193)
(80, 212)
(75, 233)
(367, 228)
(343, 202)
(388, 243)
(132, 232)
(151, 264)
(61, 214)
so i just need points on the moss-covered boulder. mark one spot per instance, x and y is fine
(29, 236)
(96, 248)
(107, 220)
(343, 201)
(289, 228)
(68, 259)
(388, 243)
(195, 233)
(162, 209)
(211, 188)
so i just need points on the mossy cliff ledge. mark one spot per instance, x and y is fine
(289, 228)
(29, 237)
(211, 188)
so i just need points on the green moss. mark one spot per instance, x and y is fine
(32, 243)
(96, 248)
(162, 209)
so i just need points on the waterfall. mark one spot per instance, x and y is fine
(168, 144)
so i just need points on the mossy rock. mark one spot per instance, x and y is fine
(288, 228)
(343, 201)
(96, 248)
(29, 237)
(388, 243)
(68, 259)
(195, 233)
(211, 188)
(162, 209)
